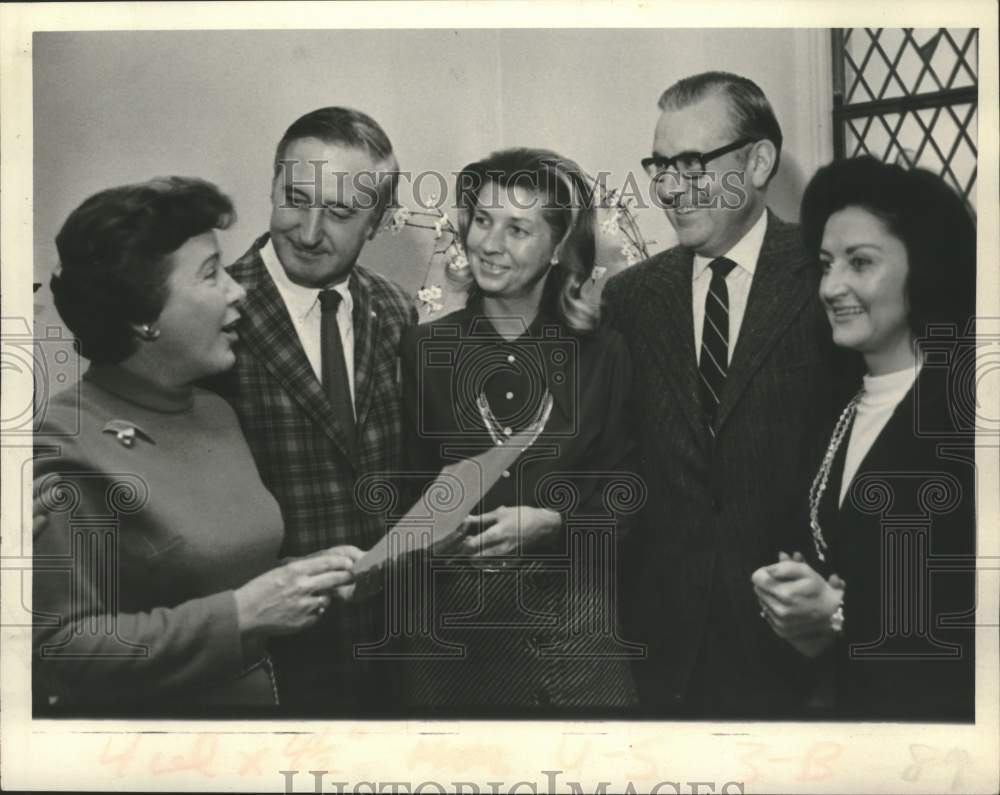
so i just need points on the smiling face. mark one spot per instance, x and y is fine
(323, 209)
(509, 243)
(864, 289)
(711, 213)
(197, 322)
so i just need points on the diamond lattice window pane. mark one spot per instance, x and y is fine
(911, 138)
(963, 162)
(861, 52)
(877, 69)
(945, 132)
(852, 141)
(930, 157)
(910, 69)
(968, 74)
(944, 61)
(893, 65)
(928, 47)
(963, 165)
(879, 138)
(892, 42)
(910, 141)
(960, 44)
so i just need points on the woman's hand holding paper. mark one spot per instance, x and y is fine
(509, 531)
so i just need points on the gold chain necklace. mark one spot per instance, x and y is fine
(499, 433)
(819, 482)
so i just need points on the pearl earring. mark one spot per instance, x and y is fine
(149, 332)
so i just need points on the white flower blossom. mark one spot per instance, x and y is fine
(609, 226)
(632, 254)
(429, 295)
(444, 222)
(399, 219)
(456, 258)
(598, 272)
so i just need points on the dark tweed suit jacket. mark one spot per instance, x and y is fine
(717, 511)
(304, 461)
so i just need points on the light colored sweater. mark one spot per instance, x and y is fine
(154, 514)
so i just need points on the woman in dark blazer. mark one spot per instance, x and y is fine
(522, 616)
(888, 595)
(156, 581)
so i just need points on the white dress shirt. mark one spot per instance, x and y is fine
(303, 307)
(881, 396)
(744, 254)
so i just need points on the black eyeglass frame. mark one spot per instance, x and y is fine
(664, 164)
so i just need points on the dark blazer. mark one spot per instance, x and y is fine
(904, 541)
(305, 462)
(717, 511)
(538, 633)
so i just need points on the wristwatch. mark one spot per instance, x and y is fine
(837, 619)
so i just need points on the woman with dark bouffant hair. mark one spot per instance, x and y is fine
(894, 494)
(156, 579)
(525, 351)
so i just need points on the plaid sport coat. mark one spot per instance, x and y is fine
(299, 448)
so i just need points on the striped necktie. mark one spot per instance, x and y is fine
(714, 361)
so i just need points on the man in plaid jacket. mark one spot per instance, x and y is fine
(334, 176)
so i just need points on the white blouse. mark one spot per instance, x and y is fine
(881, 396)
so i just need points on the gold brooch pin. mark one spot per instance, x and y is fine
(125, 432)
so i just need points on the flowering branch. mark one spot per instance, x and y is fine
(620, 223)
(442, 226)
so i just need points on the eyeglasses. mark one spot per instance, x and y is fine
(688, 163)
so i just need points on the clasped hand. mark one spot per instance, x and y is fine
(798, 603)
(507, 531)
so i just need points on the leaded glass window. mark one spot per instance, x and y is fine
(909, 95)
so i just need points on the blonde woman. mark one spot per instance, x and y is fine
(526, 347)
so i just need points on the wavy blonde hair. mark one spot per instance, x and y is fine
(568, 209)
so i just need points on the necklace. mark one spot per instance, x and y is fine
(819, 482)
(499, 433)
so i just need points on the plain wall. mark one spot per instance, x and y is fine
(117, 107)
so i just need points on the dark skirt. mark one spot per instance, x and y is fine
(524, 637)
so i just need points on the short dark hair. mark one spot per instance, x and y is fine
(920, 209)
(752, 114)
(114, 257)
(568, 209)
(350, 128)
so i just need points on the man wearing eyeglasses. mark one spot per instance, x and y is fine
(732, 394)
